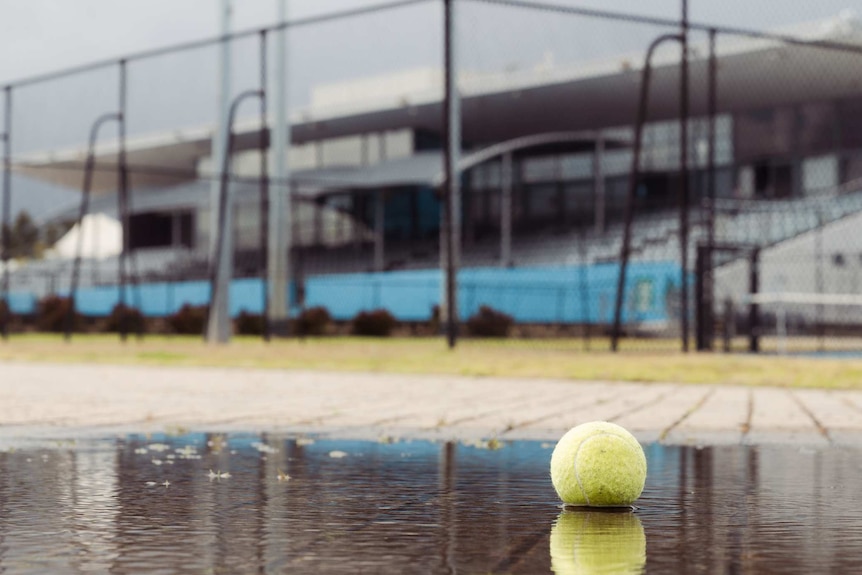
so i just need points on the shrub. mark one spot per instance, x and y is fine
(488, 322)
(313, 321)
(376, 323)
(134, 319)
(249, 323)
(52, 313)
(189, 320)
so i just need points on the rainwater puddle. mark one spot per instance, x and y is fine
(255, 503)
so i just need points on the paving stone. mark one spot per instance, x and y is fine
(60, 400)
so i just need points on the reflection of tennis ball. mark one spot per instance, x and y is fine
(584, 541)
(598, 464)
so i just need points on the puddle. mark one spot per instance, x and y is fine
(257, 503)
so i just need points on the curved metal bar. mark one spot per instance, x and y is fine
(634, 176)
(85, 205)
(215, 265)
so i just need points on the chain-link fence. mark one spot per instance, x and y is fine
(611, 192)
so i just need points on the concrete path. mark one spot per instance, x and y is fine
(68, 400)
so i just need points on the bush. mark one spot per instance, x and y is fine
(313, 321)
(134, 320)
(52, 314)
(249, 323)
(189, 320)
(489, 322)
(377, 323)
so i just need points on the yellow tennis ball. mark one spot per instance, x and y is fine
(584, 542)
(598, 464)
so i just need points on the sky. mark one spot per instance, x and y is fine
(41, 36)
(38, 36)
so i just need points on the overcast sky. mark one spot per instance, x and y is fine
(37, 36)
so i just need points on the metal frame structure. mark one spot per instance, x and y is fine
(85, 204)
(217, 330)
(451, 225)
(123, 206)
(705, 306)
(634, 178)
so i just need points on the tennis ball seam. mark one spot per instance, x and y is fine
(578, 451)
(575, 462)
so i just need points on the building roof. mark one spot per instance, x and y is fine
(752, 74)
(424, 169)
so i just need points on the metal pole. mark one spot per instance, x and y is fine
(453, 201)
(123, 200)
(506, 210)
(699, 296)
(753, 311)
(599, 182)
(634, 176)
(683, 171)
(219, 140)
(5, 228)
(379, 230)
(280, 204)
(585, 284)
(263, 145)
(85, 205)
(708, 283)
(218, 322)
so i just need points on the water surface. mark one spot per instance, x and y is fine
(207, 503)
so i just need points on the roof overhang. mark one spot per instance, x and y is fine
(767, 75)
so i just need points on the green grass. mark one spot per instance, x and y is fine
(563, 359)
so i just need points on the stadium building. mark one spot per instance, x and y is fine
(545, 166)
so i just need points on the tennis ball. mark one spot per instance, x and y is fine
(588, 541)
(598, 464)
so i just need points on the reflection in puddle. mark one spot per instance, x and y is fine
(239, 503)
(585, 541)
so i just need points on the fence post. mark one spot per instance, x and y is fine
(728, 325)
(753, 311)
(700, 298)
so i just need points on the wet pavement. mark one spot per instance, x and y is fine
(272, 503)
(198, 470)
(45, 399)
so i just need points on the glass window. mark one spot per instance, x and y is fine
(819, 173)
(398, 144)
(543, 201)
(544, 169)
(342, 151)
(372, 149)
(303, 157)
(576, 166)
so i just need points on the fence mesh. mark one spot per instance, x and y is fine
(550, 97)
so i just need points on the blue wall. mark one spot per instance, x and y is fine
(569, 294)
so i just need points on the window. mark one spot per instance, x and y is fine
(819, 173)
